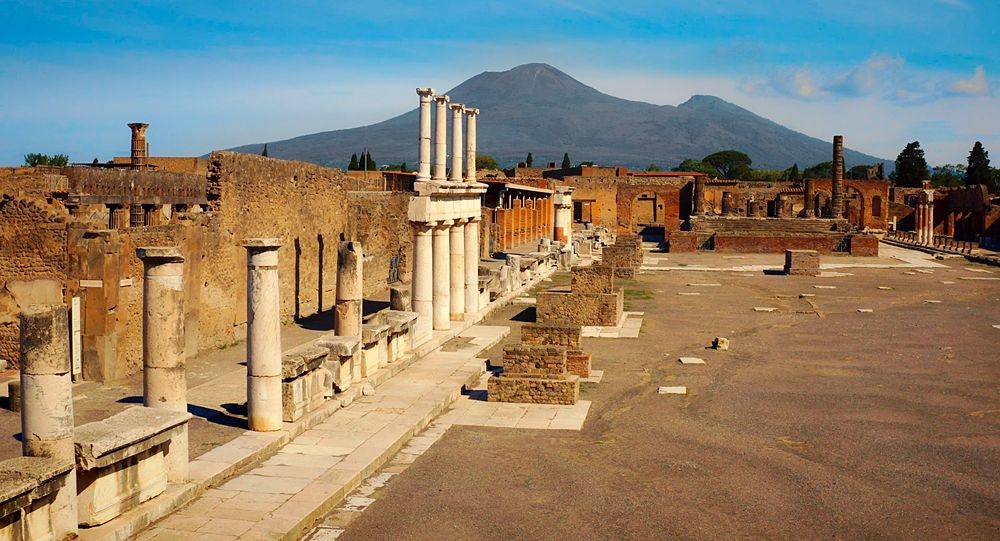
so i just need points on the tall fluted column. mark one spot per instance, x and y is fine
(422, 295)
(456, 246)
(164, 379)
(457, 110)
(424, 157)
(699, 195)
(440, 138)
(263, 335)
(470, 145)
(350, 287)
(47, 401)
(139, 159)
(442, 276)
(838, 176)
(472, 265)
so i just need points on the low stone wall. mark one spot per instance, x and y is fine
(593, 279)
(603, 309)
(864, 245)
(764, 244)
(682, 241)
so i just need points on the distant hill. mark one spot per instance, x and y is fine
(539, 109)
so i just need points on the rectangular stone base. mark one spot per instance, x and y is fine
(578, 362)
(106, 492)
(589, 309)
(534, 390)
(302, 394)
(802, 262)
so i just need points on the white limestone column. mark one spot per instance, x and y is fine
(263, 335)
(440, 138)
(470, 145)
(442, 276)
(424, 154)
(456, 246)
(47, 401)
(472, 265)
(164, 380)
(457, 111)
(350, 289)
(422, 294)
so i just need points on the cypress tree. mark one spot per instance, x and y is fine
(529, 160)
(566, 164)
(264, 154)
(370, 162)
(353, 166)
(911, 167)
(978, 171)
(794, 174)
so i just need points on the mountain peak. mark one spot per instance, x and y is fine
(534, 82)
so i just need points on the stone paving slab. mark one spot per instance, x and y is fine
(307, 477)
(628, 327)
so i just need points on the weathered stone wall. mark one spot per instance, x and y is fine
(378, 221)
(593, 279)
(534, 361)
(777, 243)
(580, 308)
(534, 390)
(551, 334)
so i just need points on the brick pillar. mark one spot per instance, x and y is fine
(138, 157)
(837, 203)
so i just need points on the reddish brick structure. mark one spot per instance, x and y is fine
(682, 241)
(535, 375)
(568, 336)
(802, 262)
(864, 245)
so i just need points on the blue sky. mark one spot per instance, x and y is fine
(210, 75)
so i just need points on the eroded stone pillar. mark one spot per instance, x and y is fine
(424, 153)
(457, 110)
(139, 159)
(47, 401)
(440, 138)
(699, 195)
(422, 295)
(837, 203)
(164, 378)
(727, 203)
(350, 288)
(263, 335)
(563, 207)
(470, 145)
(809, 198)
(472, 265)
(442, 275)
(456, 272)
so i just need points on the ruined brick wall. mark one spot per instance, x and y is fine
(32, 181)
(534, 361)
(593, 279)
(580, 308)
(763, 244)
(378, 220)
(32, 247)
(551, 334)
(864, 245)
(601, 194)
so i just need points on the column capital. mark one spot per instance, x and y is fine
(460, 221)
(474, 219)
(457, 107)
(157, 255)
(471, 112)
(425, 92)
(441, 99)
(440, 224)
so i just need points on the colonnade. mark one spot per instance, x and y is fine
(924, 217)
(523, 219)
(445, 215)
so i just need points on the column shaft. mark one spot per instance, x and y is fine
(472, 266)
(456, 244)
(699, 194)
(837, 203)
(422, 296)
(440, 138)
(442, 276)
(424, 153)
(263, 335)
(457, 112)
(350, 288)
(470, 145)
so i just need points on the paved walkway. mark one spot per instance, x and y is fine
(280, 498)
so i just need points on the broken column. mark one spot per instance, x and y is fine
(442, 276)
(350, 286)
(164, 380)
(456, 271)
(472, 264)
(457, 110)
(424, 157)
(440, 138)
(563, 203)
(47, 401)
(838, 177)
(727, 203)
(263, 335)
(809, 198)
(470, 145)
(699, 195)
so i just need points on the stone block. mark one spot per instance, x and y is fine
(534, 390)
(721, 344)
(588, 309)
(682, 241)
(399, 297)
(29, 486)
(522, 360)
(593, 279)
(802, 262)
(578, 362)
(551, 334)
(864, 245)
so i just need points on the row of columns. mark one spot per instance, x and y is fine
(462, 154)
(523, 220)
(446, 270)
(924, 218)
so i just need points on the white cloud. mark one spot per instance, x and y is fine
(869, 77)
(976, 86)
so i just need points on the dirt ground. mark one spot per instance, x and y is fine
(820, 422)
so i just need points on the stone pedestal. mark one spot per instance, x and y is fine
(456, 244)
(536, 375)
(350, 285)
(344, 354)
(163, 372)
(263, 335)
(802, 262)
(47, 400)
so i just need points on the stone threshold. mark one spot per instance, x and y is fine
(252, 448)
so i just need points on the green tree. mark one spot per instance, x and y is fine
(485, 161)
(948, 175)
(57, 160)
(653, 168)
(566, 164)
(353, 166)
(529, 160)
(858, 172)
(370, 163)
(978, 171)
(793, 174)
(264, 154)
(820, 170)
(730, 164)
(994, 185)
(95, 162)
(766, 175)
(911, 167)
(696, 166)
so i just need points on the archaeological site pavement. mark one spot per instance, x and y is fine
(821, 421)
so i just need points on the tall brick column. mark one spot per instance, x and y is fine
(139, 159)
(699, 195)
(809, 196)
(837, 202)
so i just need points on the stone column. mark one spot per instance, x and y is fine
(424, 154)
(138, 159)
(350, 287)
(422, 295)
(440, 138)
(470, 145)
(838, 176)
(699, 195)
(563, 202)
(442, 276)
(47, 401)
(809, 198)
(164, 381)
(472, 265)
(457, 110)
(263, 335)
(456, 246)
(727, 203)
